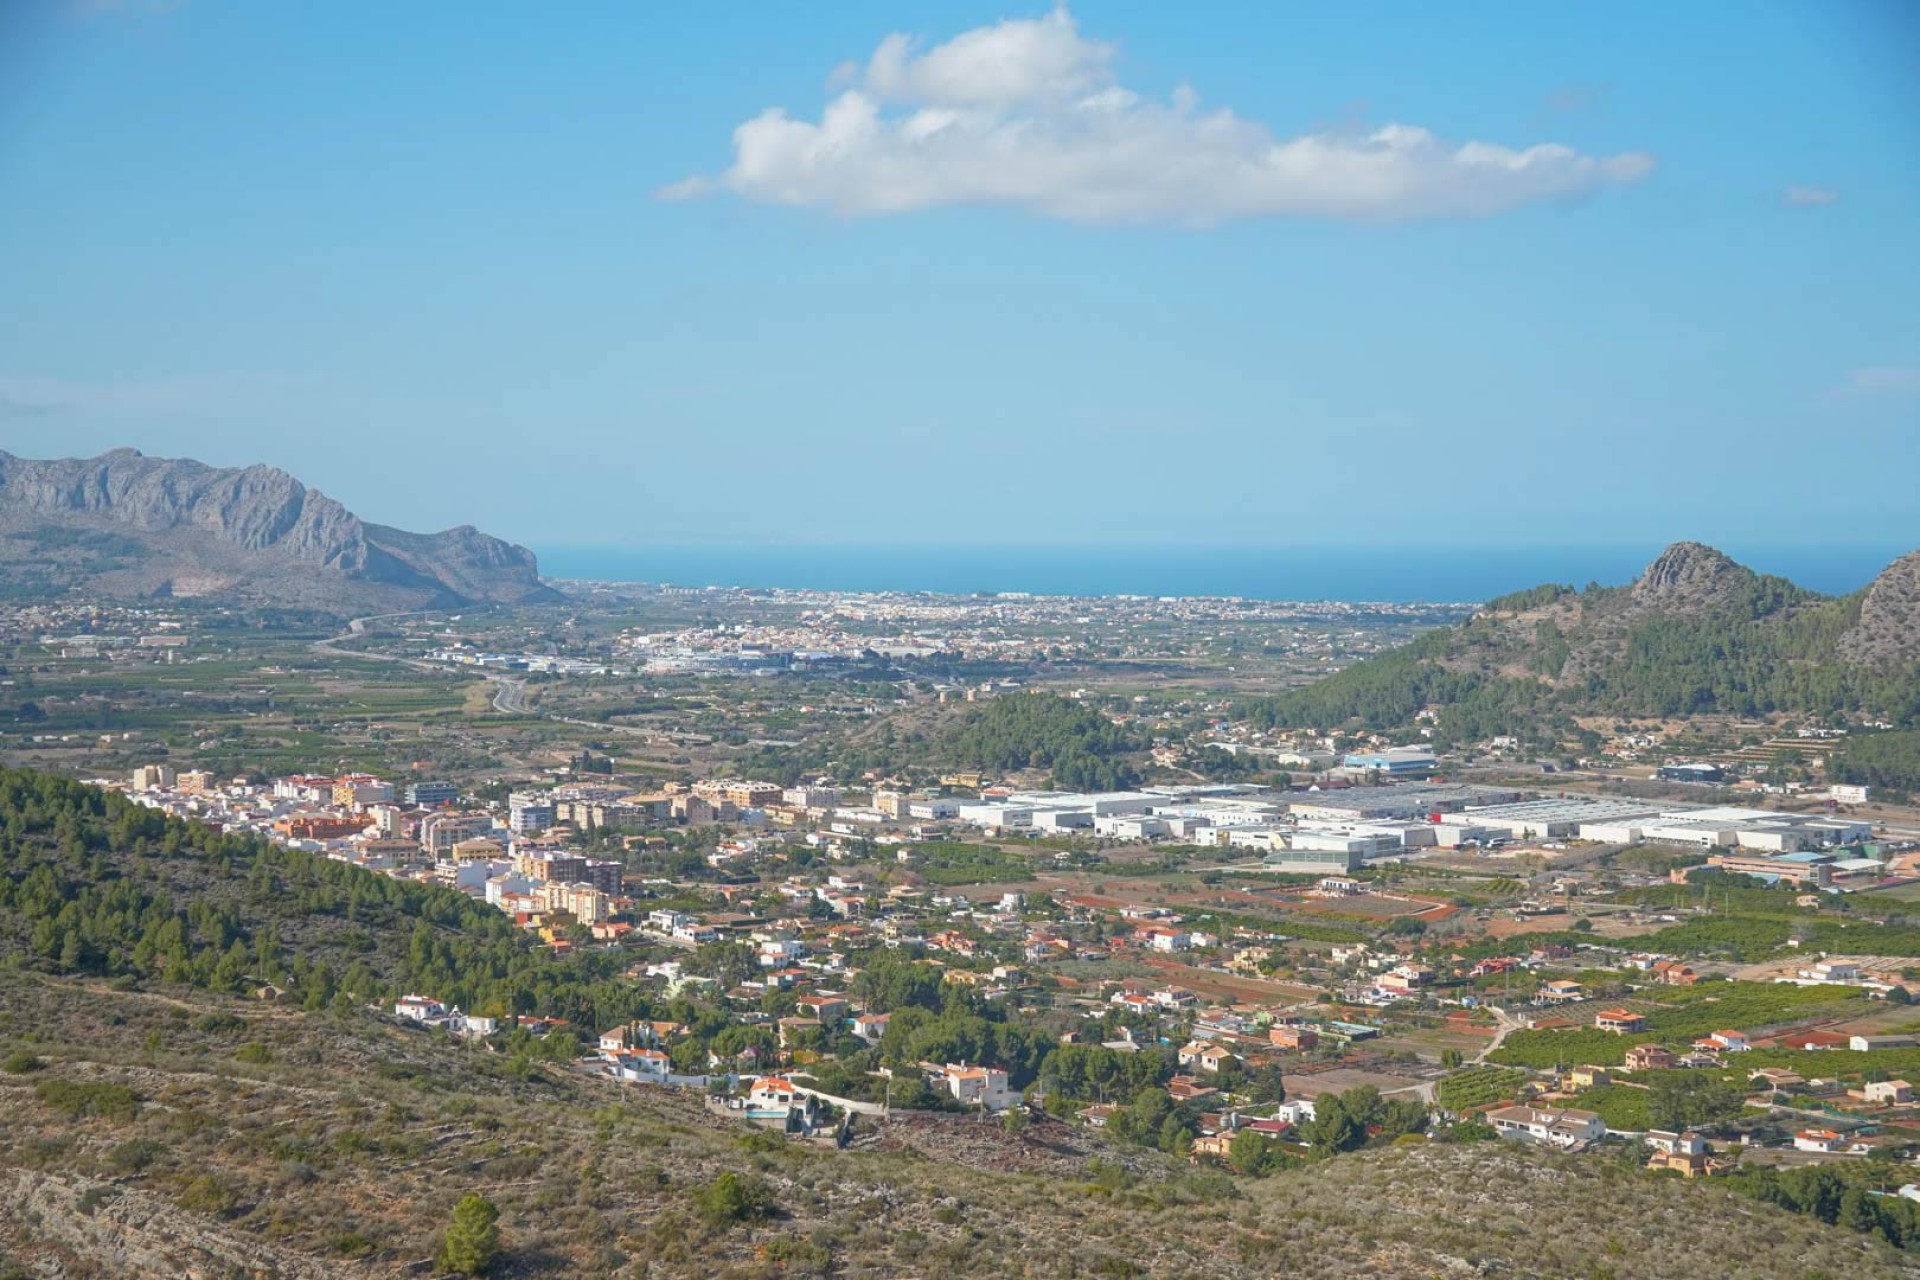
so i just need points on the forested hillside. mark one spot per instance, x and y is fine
(1890, 761)
(1080, 746)
(1073, 742)
(1696, 634)
(91, 883)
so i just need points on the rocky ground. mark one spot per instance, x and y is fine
(338, 1146)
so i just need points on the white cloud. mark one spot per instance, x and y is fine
(1809, 197)
(1016, 61)
(1029, 114)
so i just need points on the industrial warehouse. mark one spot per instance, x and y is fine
(1344, 830)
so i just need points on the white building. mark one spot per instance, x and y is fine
(469, 877)
(1820, 1140)
(993, 815)
(1295, 1111)
(1344, 840)
(1454, 832)
(1704, 833)
(647, 1066)
(1561, 1128)
(1132, 827)
(508, 885)
(419, 1008)
(1554, 819)
(1101, 804)
(529, 817)
(1063, 820)
(978, 1086)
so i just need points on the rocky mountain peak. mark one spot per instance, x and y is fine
(1688, 576)
(1889, 616)
(255, 531)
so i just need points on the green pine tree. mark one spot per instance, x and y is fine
(473, 1241)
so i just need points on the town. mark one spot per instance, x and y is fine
(1201, 967)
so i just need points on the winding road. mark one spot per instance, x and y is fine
(509, 696)
(1507, 1023)
(356, 629)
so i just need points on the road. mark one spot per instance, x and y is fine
(1506, 1024)
(358, 628)
(1425, 1089)
(509, 697)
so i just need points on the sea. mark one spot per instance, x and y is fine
(1410, 574)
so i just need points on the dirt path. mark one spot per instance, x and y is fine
(1207, 982)
(1507, 1024)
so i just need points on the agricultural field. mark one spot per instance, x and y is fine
(1676, 1016)
(1626, 1108)
(1479, 1087)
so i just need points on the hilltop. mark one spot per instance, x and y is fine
(127, 525)
(1696, 633)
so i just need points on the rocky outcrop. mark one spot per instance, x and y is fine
(1687, 580)
(81, 1226)
(1888, 630)
(1694, 633)
(179, 527)
(1689, 577)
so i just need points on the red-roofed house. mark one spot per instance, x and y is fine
(1294, 1037)
(1186, 1088)
(1649, 1057)
(1620, 1020)
(1814, 1040)
(771, 1092)
(1822, 1140)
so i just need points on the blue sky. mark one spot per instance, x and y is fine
(1013, 279)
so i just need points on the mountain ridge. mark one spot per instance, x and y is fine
(125, 524)
(1695, 633)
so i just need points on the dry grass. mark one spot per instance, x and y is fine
(344, 1155)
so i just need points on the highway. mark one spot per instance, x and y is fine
(358, 628)
(510, 696)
